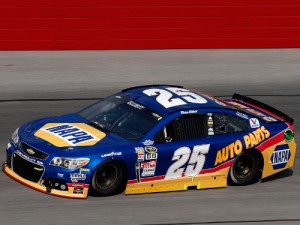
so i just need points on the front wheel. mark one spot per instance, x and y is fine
(245, 169)
(108, 179)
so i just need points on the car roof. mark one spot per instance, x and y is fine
(136, 94)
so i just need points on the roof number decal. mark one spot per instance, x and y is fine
(165, 97)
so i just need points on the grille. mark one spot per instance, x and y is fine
(26, 169)
(37, 153)
(8, 162)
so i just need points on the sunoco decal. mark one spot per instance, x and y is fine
(70, 134)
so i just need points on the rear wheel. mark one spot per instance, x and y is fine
(108, 179)
(245, 169)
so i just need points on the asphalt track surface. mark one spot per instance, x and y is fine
(38, 84)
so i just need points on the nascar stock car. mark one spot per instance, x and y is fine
(153, 138)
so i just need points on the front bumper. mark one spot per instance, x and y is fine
(34, 173)
(71, 193)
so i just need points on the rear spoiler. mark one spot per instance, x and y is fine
(264, 106)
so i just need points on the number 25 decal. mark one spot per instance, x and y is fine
(164, 97)
(182, 155)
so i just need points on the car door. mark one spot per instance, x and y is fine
(195, 143)
(181, 146)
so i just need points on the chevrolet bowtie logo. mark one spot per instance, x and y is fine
(30, 151)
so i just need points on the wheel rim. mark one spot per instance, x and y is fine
(106, 176)
(243, 166)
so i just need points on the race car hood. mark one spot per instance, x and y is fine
(68, 132)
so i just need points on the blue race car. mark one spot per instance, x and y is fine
(152, 139)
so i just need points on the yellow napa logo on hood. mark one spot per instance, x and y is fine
(70, 134)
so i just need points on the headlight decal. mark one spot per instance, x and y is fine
(69, 163)
(15, 137)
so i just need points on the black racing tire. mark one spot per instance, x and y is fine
(246, 169)
(108, 179)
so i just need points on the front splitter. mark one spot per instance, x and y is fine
(43, 189)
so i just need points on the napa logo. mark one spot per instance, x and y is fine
(70, 134)
(280, 156)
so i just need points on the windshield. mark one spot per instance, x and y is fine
(121, 116)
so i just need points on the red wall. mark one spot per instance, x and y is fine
(148, 24)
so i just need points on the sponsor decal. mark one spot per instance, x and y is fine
(242, 115)
(135, 105)
(78, 191)
(75, 177)
(150, 156)
(253, 111)
(148, 142)
(210, 123)
(76, 185)
(145, 168)
(147, 172)
(150, 149)
(28, 158)
(111, 154)
(70, 134)
(140, 153)
(235, 148)
(148, 168)
(270, 119)
(150, 164)
(254, 123)
(84, 170)
(211, 131)
(256, 137)
(60, 174)
(8, 145)
(229, 152)
(191, 111)
(280, 156)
